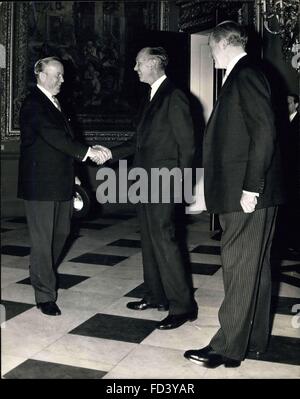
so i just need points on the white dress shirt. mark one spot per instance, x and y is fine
(156, 84)
(292, 116)
(232, 64)
(50, 96)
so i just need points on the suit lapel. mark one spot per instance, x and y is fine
(226, 85)
(150, 105)
(55, 111)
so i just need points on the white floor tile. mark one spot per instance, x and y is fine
(12, 275)
(88, 352)
(146, 362)
(10, 362)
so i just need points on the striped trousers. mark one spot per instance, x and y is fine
(245, 311)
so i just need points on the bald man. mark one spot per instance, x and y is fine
(164, 139)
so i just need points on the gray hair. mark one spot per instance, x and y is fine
(234, 33)
(159, 54)
(40, 65)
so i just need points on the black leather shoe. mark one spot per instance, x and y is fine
(143, 305)
(176, 320)
(49, 308)
(208, 358)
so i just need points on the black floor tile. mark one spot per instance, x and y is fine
(65, 281)
(204, 268)
(36, 369)
(290, 268)
(281, 350)
(283, 305)
(137, 292)
(117, 328)
(207, 249)
(293, 256)
(98, 259)
(20, 219)
(15, 250)
(294, 281)
(13, 309)
(126, 243)
(93, 226)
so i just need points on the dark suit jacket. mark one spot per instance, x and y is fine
(47, 151)
(240, 149)
(164, 132)
(291, 157)
(295, 125)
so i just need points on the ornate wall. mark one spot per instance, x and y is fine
(199, 15)
(29, 30)
(95, 41)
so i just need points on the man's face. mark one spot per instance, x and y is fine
(292, 105)
(218, 52)
(52, 77)
(143, 67)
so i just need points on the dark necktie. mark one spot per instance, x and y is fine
(56, 102)
(149, 94)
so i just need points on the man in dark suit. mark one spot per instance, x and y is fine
(242, 183)
(46, 177)
(292, 174)
(164, 139)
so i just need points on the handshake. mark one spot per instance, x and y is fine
(99, 154)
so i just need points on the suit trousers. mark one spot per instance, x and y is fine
(245, 311)
(165, 276)
(49, 226)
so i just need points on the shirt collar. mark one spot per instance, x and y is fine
(292, 116)
(156, 84)
(46, 92)
(233, 62)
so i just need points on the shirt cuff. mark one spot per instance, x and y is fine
(250, 192)
(86, 155)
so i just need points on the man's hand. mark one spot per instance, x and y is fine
(248, 202)
(99, 154)
(77, 181)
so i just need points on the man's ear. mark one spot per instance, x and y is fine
(224, 43)
(153, 63)
(42, 76)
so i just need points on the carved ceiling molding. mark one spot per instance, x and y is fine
(197, 15)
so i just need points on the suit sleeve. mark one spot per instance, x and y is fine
(124, 150)
(256, 108)
(34, 118)
(182, 126)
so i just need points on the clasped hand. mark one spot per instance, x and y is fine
(248, 202)
(99, 154)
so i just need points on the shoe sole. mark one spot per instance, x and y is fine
(48, 314)
(179, 325)
(227, 364)
(149, 308)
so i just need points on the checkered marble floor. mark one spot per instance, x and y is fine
(98, 337)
